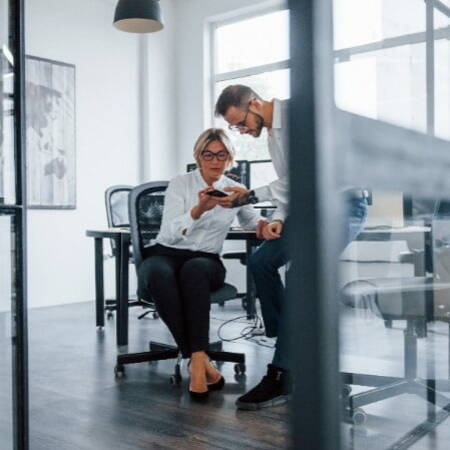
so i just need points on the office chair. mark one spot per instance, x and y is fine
(414, 300)
(116, 202)
(145, 208)
(240, 172)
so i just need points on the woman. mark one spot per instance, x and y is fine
(184, 265)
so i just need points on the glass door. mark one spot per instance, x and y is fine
(13, 308)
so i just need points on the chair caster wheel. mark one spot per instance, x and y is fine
(109, 315)
(155, 315)
(239, 369)
(359, 417)
(119, 371)
(346, 391)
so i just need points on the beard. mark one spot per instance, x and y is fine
(259, 125)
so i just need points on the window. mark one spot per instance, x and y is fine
(384, 68)
(253, 51)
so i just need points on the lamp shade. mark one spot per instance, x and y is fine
(138, 16)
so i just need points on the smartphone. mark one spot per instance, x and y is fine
(217, 193)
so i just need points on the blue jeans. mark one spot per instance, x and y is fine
(270, 256)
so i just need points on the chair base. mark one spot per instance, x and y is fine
(111, 306)
(386, 387)
(160, 351)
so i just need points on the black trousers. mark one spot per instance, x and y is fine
(180, 282)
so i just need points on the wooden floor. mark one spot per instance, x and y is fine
(77, 404)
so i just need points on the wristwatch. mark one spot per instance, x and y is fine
(248, 197)
(252, 198)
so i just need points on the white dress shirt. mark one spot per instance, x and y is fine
(207, 233)
(278, 141)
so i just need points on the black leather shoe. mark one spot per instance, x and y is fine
(218, 385)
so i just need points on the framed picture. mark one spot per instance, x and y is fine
(50, 130)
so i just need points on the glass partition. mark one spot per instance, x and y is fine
(393, 289)
(13, 356)
(6, 350)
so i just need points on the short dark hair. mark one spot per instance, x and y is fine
(236, 95)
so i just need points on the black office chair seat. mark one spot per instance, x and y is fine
(398, 298)
(416, 300)
(224, 293)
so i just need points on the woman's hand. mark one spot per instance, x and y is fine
(273, 230)
(205, 203)
(235, 192)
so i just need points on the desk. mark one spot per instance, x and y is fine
(393, 234)
(122, 239)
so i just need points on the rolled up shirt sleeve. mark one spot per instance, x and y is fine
(248, 217)
(177, 223)
(278, 193)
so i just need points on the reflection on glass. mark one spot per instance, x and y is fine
(358, 22)
(442, 81)
(6, 404)
(394, 296)
(268, 85)
(7, 187)
(253, 42)
(389, 85)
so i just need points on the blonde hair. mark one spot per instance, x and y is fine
(213, 134)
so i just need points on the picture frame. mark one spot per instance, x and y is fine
(50, 133)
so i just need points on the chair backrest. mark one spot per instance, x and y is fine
(240, 171)
(145, 205)
(116, 202)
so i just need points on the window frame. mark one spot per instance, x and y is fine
(215, 77)
(427, 37)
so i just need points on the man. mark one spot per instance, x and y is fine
(246, 112)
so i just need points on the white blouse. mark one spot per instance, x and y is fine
(207, 233)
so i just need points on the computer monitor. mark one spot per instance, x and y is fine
(261, 174)
(191, 167)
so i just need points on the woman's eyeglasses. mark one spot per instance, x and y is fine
(208, 155)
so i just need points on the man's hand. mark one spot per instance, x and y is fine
(205, 203)
(236, 191)
(273, 230)
(260, 228)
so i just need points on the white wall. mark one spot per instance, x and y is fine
(60, 257)
(161, 96)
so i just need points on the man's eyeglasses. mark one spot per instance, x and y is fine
(207, 155)
(240, 126)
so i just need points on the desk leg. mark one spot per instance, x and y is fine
(99, 287)
(250, 288)
(122, 297)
